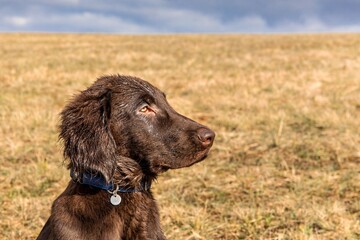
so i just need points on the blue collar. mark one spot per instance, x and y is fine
(98, 181)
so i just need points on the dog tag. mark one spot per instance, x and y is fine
(115, 199)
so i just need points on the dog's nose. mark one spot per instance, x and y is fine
(206, 136)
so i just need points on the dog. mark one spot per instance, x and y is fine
(118, 135)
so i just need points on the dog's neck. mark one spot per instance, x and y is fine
(129, 172)
(128, 177)
(98, 181)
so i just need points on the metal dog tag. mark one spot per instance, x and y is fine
(115, 199)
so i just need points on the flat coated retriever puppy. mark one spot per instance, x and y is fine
(119, 134)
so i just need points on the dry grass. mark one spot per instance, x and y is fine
(286, 110)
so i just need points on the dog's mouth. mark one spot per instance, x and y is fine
(181, 163)
(198, 157)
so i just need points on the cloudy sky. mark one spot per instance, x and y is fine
(180, 16)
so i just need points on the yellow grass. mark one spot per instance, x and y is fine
(286, 110)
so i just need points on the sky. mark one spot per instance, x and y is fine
(180, 16)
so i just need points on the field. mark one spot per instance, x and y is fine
(286, 110)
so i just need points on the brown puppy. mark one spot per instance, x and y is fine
(119, 134)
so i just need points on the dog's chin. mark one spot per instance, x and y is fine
(200, 156)
(176, 163)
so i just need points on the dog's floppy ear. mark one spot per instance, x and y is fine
(85, 130)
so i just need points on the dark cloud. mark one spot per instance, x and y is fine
(161, 16)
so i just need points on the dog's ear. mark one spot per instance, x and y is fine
(85, 130)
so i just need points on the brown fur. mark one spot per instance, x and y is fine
(123, 129)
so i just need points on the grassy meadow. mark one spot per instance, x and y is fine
(286, 110)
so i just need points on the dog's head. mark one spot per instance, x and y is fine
(121, 116)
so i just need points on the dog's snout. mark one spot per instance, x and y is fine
(206, 136)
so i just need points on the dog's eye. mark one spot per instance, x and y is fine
(145, 109)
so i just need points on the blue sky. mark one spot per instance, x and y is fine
(180, 16)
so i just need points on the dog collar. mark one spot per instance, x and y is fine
(98, 181)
